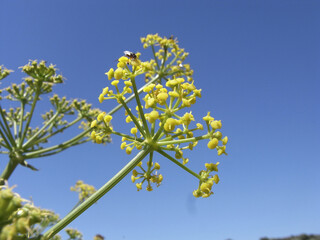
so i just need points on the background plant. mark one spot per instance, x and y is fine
(20, 141)
(18, 138)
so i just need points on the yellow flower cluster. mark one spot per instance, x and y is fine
(165, 127)
(150, 175)
(207, 180)
(101, 132)
(215, 136)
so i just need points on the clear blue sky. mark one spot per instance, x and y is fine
(258, 65)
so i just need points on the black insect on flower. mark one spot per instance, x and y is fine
(130, 55)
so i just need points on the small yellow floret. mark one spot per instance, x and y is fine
(216, 179)
(213, 143)
(225, 140)
(93, 123)
(134, 130)
(110, 73)
(200, 126)
(162, 97)
(123, 145)
(107, 118)
(157, 166)
(100, 116)
(118, 73)
(139, 186)
(208, 117)
(216, 124)
(115, 83)
(153, 116)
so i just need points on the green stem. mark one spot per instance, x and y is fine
(6, 128)
(11, 166)
(160, 130)
(133, 118)
(61, 146)
(194, 139)
(97, 195)
(36, 96)
(57, 131)
(21, 118)
(7, 144)
(128, 136)
(155, 57)
(27, 143)
(178, 163)
(164, 58)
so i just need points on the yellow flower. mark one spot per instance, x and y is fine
(157, 166)
(118, 74)
(107, 118)
(213, 143)
(216, 124)
(93, 123)
(225, 140)
(110, 73)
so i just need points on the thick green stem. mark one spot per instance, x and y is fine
(11, 166)
(97, 195)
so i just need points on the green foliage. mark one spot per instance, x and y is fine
(298, 237)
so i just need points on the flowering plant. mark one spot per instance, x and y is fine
(161, 120)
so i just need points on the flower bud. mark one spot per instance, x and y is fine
(22, 225)
(157, 166)
(153, 116)
(128, 150)
(123, 145)
(134, 130)
(216, 124)
(170, 124)
(162, 97)
(212, 144)
(217, 135)
(133, 179)
(139, 186)
(93, 123)
(100, 116)
(212, 167)
(115, 82)
(205, 187)
(225, 140)
(197, 193)
(216, 179)
(134, 173)
(121, 65)
(118, 73)
(107, 118)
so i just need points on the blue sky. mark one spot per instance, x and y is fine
(258, 65)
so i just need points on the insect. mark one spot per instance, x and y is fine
(130, 55)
